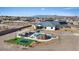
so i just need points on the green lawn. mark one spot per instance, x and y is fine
(21, 41)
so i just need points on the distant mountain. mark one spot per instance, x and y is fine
(55, 16)
(45, 16)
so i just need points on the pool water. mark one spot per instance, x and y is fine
(26, 34)
(41, 36)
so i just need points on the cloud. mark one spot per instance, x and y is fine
(63, 14)
(68, 8)
(42, 8)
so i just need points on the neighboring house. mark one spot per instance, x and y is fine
(53, 25)
(75, 23)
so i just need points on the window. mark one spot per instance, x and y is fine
(51, 27)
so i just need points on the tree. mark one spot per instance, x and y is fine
(50, 19)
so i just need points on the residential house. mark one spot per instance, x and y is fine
(50, 25)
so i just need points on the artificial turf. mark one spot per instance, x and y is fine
(21, 41)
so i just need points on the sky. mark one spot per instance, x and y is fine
(31, 11)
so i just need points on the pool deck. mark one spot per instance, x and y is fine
(33, 37)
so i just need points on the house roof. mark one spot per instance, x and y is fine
(48, 24)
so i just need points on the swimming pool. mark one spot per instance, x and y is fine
(27, 34)
(38, 36)
(43, 37)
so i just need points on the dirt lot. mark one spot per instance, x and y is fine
(67, 42)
